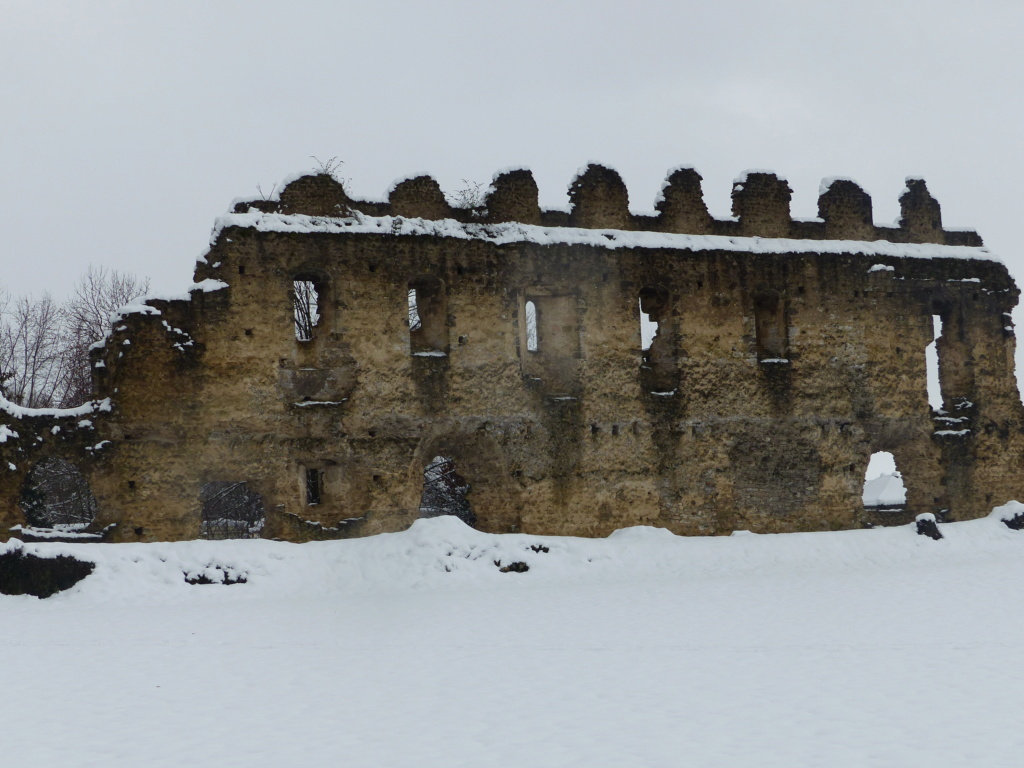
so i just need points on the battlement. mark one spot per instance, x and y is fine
(342, 367)
(599, 199)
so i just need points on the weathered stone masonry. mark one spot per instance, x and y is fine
(787, 352)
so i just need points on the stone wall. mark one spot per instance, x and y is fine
(778, 368)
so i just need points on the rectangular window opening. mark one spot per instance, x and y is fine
(428, 317)
(415, 323)
(648, 329)
(771, 330)
(314, 482)
(931, 357)
(532, 340)
(306, 305)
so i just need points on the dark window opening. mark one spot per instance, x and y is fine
(884, 490)
(771, 329)
(428, 318)
(56, 495)
(306, 306)
(445, 491)
(314, 486)
(231, 510)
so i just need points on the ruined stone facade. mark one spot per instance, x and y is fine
(787, 352)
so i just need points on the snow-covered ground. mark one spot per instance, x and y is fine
(859, 648)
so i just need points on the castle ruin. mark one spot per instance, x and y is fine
(500, 347)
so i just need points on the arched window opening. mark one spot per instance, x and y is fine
(231, 510)
(56, 495)
(532, 339)
(549, 325)
(884, 490)
(306, 308)
(428, 318)
(444, 491)
(771, 329)
(931, 358)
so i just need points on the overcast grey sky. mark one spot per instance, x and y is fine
(128, 126)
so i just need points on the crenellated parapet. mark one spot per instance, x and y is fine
(340, 362)
(514, 197)
(599, 199)
(846, 210)
(681, 206)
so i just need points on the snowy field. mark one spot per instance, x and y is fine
(859, 648)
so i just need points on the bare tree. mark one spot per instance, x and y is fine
(6, 350)
(32, 349)
(57, 495)
(86, 319)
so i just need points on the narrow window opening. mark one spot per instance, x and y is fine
(771, 329)
(884, 490)
(532, 340)
(231, 510)
(658, 364)
(549, 341)
(314, 486)
(428, 318)
(931, 358)
(648, 329)
(306, 306)
(445, 491)
(654, 302)
(415, 323)
(57, 495)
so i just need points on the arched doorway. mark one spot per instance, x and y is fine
(445, 491)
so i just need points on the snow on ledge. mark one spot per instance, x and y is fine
(20, 411)
(513, 232)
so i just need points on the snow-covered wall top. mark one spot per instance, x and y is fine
(599, 200)
(512, 232)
